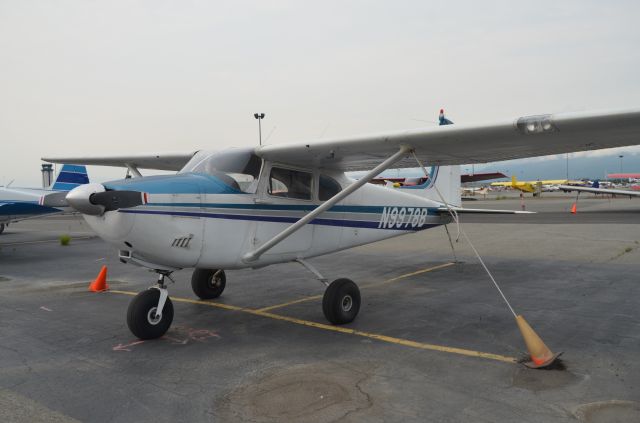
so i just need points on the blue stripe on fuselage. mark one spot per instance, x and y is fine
(290, 207)
(280, 219)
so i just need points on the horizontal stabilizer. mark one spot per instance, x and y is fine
(461, 210)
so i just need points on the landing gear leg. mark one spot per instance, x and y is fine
(341, 300)
(150, 312)
(1, 228)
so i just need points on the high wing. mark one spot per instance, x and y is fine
(569, 188)
(467, 144)
(522, 137)
(163, 161)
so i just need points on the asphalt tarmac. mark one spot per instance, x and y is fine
(433, 341)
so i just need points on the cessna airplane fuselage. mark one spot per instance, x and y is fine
(205, 220)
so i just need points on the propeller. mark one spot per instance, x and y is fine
(94, 199)
(114, 200)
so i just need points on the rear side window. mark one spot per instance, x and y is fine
(289, 183)
(328, 188)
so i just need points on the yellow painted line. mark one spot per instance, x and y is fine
(316, 297)
(300, 300)
(419, 272)
(389, 339)
(340, 329)
(190, 301)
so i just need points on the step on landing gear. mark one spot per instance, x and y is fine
(150, 313)
(341, 300)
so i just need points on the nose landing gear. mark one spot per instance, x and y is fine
(150, 313)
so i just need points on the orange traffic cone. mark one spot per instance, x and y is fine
(100, 284)
(541, 355)
(574, 208)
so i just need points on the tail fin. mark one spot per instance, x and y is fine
(70, 176)
(445, 178)
(443, 120)
(596, 184)
(447, 181)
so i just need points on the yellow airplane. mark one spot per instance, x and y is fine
(530, 186)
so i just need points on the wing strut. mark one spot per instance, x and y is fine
(255, 254)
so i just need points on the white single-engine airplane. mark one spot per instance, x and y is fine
(253, 207)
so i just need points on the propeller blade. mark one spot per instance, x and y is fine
(114, 200)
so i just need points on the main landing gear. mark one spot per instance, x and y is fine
(341, 299)
(208, 283)
(150, 312)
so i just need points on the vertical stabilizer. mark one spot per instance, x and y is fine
(70, 176)
(445, 178)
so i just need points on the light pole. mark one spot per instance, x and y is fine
(259, 116)
(567, 167)
(621, 157)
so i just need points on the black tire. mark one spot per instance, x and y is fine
(140, 315)
(205, 286)
(1, 228)
(341, 301)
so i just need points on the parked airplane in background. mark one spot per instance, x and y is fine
(253, 207)
(595, 189)
(534, 186)
(24, 203)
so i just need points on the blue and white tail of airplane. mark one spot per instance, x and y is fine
(445, 178)
(70, 176)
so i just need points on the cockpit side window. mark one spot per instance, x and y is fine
(328, 187)
(289, 183)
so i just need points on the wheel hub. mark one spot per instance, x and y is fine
(347, 303)
(152, 317)
(214, 282)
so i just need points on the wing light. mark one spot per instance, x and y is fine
(535, 124)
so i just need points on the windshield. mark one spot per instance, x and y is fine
(238, 168)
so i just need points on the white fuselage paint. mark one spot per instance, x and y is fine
(216, 230)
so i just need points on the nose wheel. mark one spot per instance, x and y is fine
(150, 313)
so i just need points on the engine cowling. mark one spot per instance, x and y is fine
(80, 199)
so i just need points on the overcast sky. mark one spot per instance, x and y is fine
(91, 77)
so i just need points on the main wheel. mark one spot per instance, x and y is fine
(341, 301)
(141, 315)
(1, 228)
(207, 286)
